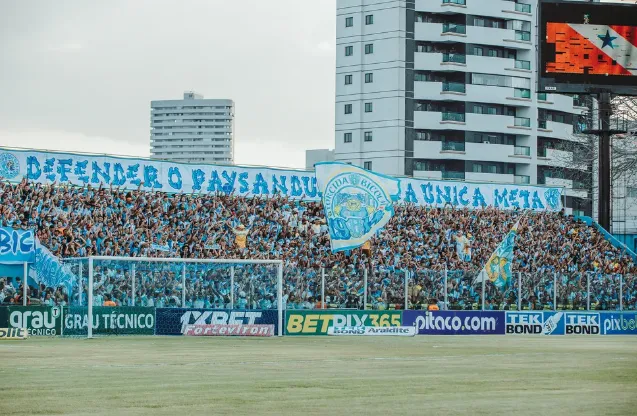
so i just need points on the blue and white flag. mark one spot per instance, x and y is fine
(498, 267)
(358, 203)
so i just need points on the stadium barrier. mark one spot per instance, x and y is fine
(73, 321)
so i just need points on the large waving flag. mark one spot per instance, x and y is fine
(498, 267)
(358, 203)
(593, 49)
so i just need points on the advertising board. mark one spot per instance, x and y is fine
(317, 322)
(395, 331)
(110, 320)
(13, 333)
(38, 320)
(587, 47)
(618, 323)
(552, 323)
(225, 330)
(174, 321)
(456, 322)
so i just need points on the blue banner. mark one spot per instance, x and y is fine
(172, 321)
(619, 323)
(553, 323)
(16, 246)
(155, 175)
(455, 322)
(49, 270)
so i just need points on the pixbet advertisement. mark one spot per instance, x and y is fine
(455, 322)
(174, 321)
(618, 323)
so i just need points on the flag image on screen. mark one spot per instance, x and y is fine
(592, 49)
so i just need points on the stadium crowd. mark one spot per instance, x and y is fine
(83, 221)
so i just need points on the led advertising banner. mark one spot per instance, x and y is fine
(587, 47)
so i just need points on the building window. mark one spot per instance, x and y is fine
(367, 165)
(369, 19)
(348, 79)
(347, 138)
(368, 107)
(368, 136)
(631, 192)
(369, 48)
(369, 78)
(349, 21)
(349, 50)
(348, 109)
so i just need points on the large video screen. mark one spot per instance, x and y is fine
(587, 47)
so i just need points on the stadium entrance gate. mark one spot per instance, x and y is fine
(138, 285)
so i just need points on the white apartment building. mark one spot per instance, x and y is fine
(446, 89)
(192, 130)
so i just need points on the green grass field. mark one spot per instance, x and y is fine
(320, 375)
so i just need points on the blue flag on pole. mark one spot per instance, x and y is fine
(498, 267)
(358, 203)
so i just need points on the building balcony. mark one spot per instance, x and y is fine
(501, 9)
(456, 87)
(458, 150)
(428, 174)
(430, 61)
(521, 180)
(454, 117)
(453, 175)
(456, 58)
(555, 130)
(489, 177)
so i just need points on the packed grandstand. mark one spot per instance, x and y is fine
(558, 257)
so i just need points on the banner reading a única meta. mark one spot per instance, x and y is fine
(16, 246)
(357, 203)
(130, 173)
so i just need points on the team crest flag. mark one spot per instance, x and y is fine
(593, 49)
(358, 203)
(498, 267)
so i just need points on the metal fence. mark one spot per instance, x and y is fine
(179, 284)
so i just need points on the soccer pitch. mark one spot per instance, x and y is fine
(320, 375)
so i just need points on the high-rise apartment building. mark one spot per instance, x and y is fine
(192, 130)
(446, 89)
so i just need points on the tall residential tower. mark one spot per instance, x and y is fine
(446, 89)
(192, 130)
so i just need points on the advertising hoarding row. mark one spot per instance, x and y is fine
(74, 321)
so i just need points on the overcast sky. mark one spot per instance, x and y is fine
(80, 74)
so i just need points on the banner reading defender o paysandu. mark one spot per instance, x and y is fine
(316, 322)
